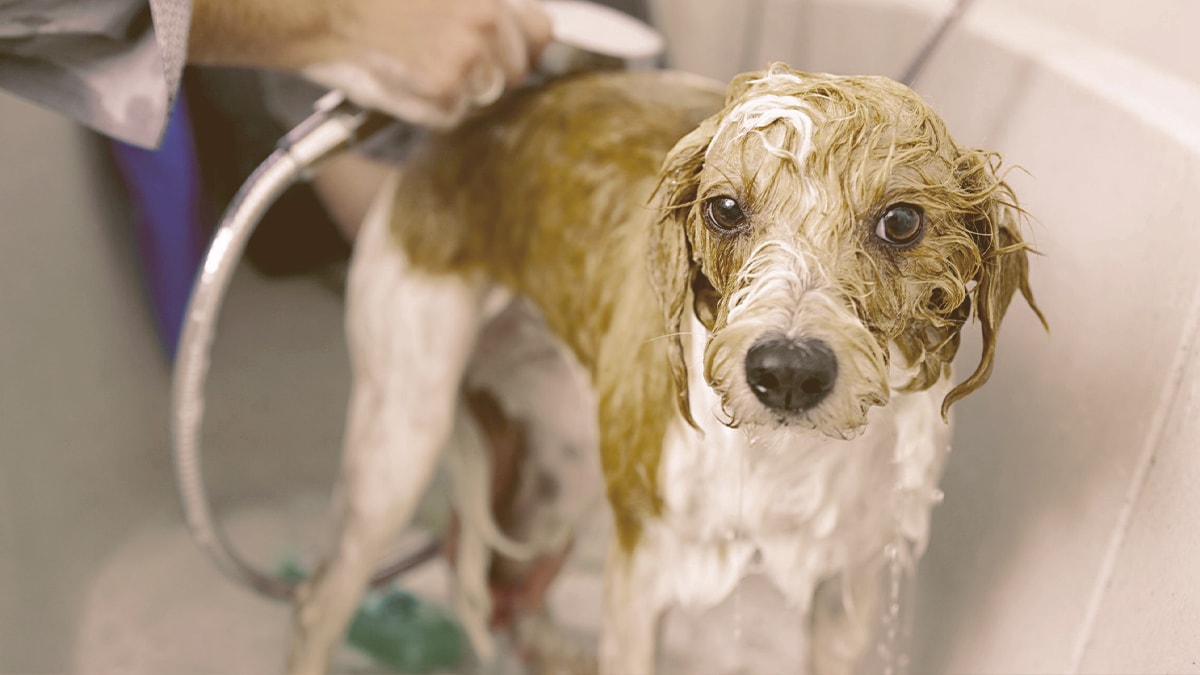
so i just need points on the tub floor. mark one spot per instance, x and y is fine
(156, 605)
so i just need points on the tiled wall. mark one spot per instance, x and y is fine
(96, 572)
(1068, 538)
(82, 382)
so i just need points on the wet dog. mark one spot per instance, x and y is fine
(762, 289)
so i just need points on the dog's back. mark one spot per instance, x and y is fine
(547, 193)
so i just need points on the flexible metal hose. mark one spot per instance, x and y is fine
(335, 125)
(948, 22)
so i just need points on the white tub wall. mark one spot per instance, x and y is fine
(1110, 145)
(1162, 33)
(1065, 542)
(97, 574)
(710, 36)
(78, 366)
(1047, 458)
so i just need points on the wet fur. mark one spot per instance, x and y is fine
(879, 144)
(583, 197)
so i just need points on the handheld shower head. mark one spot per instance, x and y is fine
(587, 36)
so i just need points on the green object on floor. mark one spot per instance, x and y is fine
(401, 631)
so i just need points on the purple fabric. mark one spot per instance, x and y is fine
(173, 222)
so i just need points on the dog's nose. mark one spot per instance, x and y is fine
(791, 375)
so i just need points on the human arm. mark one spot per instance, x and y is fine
(426, 61)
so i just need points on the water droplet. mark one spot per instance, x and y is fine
(891, 552)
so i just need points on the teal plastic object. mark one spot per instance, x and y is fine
(401, 631)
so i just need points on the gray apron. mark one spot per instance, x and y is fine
(113, 65)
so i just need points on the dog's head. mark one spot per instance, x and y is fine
(823, 228)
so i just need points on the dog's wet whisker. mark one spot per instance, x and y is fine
(667, 336)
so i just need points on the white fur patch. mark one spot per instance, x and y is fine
(783, 291)
(754, 115)
(540, 383)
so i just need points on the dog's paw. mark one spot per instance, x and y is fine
(548, 650)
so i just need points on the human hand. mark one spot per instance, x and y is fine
(427, 61)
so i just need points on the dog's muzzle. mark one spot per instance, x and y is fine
(791, 376)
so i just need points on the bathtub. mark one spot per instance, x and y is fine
(1065, 542)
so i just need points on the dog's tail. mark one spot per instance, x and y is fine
(479, 535)
(471, 468)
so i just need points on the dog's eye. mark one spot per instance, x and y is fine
(901, 224)
(723, 214)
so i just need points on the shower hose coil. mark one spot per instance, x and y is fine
(335, 125)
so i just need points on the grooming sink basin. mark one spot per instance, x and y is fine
(1065, 542)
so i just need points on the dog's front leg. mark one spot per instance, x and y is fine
(844, 617)
(410, 335)
(633, 605)
(383, 476)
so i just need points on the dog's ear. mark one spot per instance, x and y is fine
(672, 268)
(1003, 267)
(673, 271)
